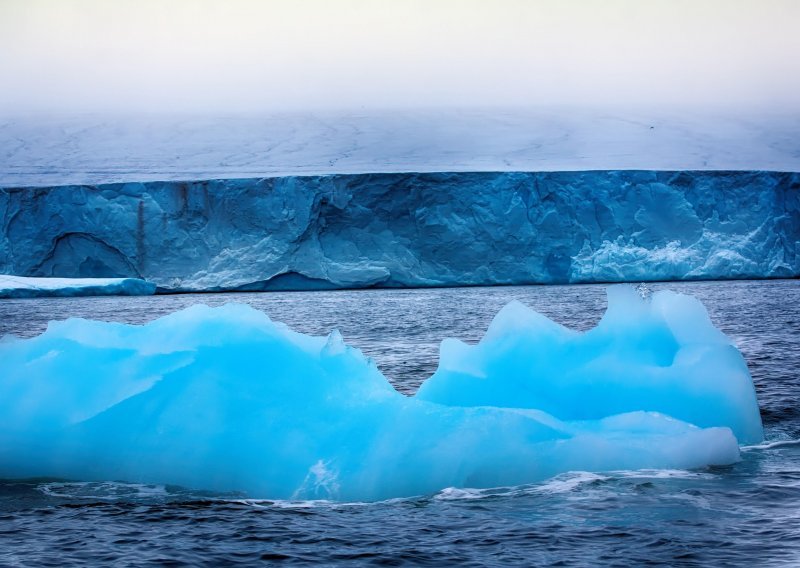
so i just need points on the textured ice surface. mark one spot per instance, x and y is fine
(22, 287)
(409, 229)
(227, 400)
(57, 150)
(662, 354)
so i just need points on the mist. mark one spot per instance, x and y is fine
(248, 56)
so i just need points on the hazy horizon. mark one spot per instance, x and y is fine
(204, 57)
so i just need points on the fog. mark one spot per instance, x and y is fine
(266, 56)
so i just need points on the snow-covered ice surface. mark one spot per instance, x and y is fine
(23, 287)
(46, 151)
(224, 399)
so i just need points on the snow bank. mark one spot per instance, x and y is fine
(24, 287)
(225, 399)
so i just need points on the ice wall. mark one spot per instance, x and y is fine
(227, 400)
(409, 229)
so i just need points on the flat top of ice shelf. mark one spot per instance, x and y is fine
(87, 149)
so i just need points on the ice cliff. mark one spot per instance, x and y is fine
(409, 229)
(225, 399)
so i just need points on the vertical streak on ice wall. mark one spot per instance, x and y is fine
(140, 237)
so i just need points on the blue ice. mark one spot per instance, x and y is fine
(224, 399)
(25, 287)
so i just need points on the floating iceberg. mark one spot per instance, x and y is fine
(224, 399)
(661, 355)
(23, 287)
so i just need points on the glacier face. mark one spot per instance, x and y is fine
(409, 229)
(227, 400)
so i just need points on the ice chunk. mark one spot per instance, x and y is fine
(661, 354)
(225, 399)
(23, 287)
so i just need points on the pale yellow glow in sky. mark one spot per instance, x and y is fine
(244, 55)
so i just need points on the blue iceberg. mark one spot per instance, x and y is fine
(224, 399)
(660, 354)
(25, 287)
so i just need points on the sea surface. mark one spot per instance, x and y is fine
(747, 514)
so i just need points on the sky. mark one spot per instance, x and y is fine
(285, 55)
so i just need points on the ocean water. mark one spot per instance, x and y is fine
(745, 514)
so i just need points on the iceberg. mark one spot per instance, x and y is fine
(224, 399)
(409, 229)
(661, 354)
(22, 287)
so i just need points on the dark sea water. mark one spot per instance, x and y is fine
(747, 514)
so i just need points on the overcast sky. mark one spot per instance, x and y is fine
(242, 55)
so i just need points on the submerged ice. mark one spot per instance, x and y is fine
(225, 399)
